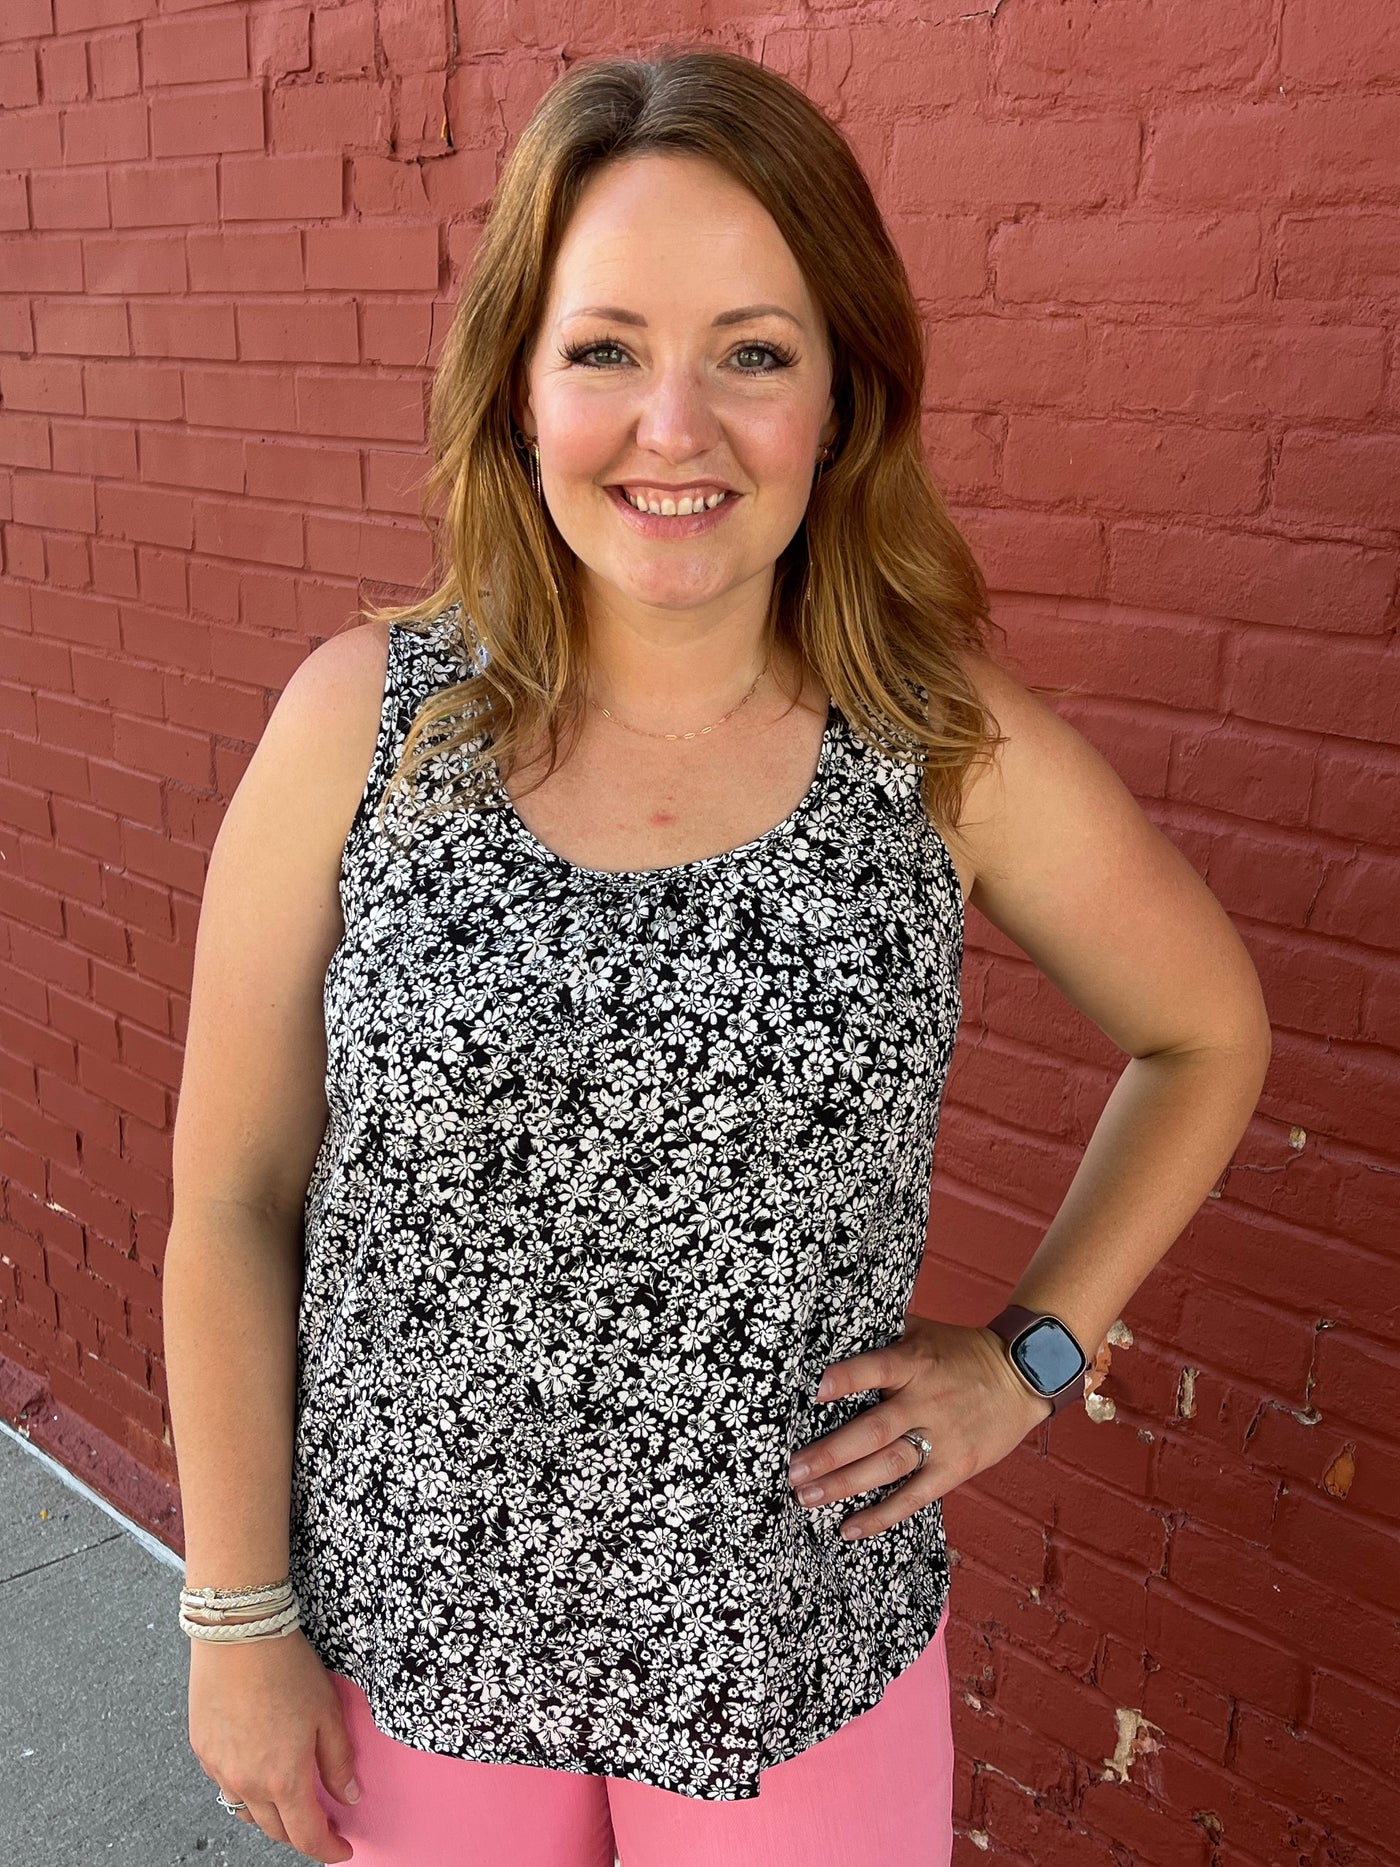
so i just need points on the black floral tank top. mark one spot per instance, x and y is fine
(615, 1165)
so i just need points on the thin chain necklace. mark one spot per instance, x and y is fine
(699, 731)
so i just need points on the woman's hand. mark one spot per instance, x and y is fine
(952, 1382)
(265, 1718)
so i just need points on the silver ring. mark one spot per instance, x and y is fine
(232, 1807)
(920, 1444)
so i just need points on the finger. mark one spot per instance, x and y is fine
(909, 1498)
(264, 1815)
(861, 1438)
(877, 1367)
(310, 1832)
(335, 1758)
(883, 1467)
(241, 1813)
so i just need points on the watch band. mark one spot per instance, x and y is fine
(1012, 1322)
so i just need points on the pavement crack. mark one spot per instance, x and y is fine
(117, 1536)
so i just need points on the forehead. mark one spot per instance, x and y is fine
(663, 232)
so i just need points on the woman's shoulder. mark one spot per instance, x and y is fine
(334, 698)
(1030, 751)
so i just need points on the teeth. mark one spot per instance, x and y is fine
(671, 508)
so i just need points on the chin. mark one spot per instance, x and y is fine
(673, 591)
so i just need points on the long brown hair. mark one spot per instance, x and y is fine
(877, 590)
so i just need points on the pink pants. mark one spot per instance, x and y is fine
(876, 1793)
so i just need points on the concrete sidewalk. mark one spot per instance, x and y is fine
(95, 1764)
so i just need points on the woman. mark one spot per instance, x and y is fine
(614, 1454)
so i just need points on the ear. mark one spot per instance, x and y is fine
(522, 407)
(830, 427)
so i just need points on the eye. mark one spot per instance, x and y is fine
(786, 358)
(581, 353)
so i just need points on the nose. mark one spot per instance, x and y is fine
(675, 419)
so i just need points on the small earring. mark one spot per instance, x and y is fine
(536, 476)
(825, 457)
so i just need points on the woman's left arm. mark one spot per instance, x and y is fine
(1067, 865)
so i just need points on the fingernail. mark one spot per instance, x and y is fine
(352, 1791)
(799, 1470)
(824, 1388)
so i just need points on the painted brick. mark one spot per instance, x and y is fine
(366, 258)
(77, 198)
(1019, 362)
(1127, 257)
(208, 49)
(1349, 479)
(1295, 1606)
(1050, 553)
(1303, 150)
(165, 194)
(1141, 466)
(1339, 256)
(1291, 1763)
(1358, 1380)
(1157, 257)
(1078, 49)
(1312, 51)
(1346, 1713)
(959, 160)
(1308, 1531)
(1253, 576)
(1224, 1652)
(1205, 371)
(299, 187)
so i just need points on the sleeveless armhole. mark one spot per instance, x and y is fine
(940, 843)
(388, 745)
(419, 660)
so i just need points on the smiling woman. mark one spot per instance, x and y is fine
(609, 1103)
(657, 309)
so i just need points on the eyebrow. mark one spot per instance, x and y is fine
(619, 315)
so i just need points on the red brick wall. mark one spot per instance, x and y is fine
(1158, 247)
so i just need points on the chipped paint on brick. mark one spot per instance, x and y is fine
(1135, 1739)
(1336, 1480)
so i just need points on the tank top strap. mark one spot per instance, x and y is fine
(887, 779)
(421, 659)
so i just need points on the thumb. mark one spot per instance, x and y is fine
(335, 1759)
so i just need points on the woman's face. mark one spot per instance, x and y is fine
(666, 390)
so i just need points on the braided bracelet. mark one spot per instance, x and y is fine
(221, 1607)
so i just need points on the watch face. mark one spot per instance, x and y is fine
(1048, 1355)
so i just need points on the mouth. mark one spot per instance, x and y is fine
(700, 515)
(682, 504)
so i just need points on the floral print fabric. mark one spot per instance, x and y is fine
(615, 1165)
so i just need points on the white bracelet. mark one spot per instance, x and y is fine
(220, 1610)
(271, 1627)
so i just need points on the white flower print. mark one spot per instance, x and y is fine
(614, 1166)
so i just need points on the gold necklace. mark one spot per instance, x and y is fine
(699, 731)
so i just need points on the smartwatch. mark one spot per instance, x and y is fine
(1043, 1352)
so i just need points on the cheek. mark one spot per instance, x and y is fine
(579, 433)
(780, 446)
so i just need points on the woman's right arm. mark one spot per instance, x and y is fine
(250, 1121)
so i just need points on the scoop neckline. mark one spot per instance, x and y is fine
(524, 834)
